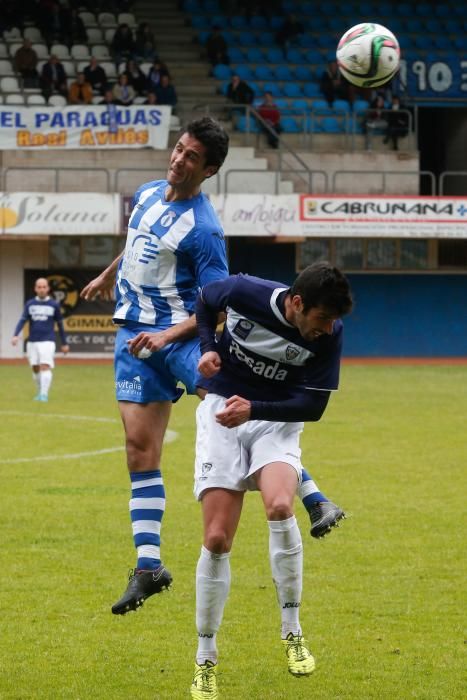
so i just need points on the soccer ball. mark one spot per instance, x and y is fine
(368, 55)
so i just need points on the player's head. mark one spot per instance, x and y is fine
(41, 287)
(198, 154)
(320, 295)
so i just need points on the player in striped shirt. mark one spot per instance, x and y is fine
(43, 314)
(175, 245)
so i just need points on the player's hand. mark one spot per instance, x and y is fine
(209, 364)
(14, 340)
(65, 349)
(236, 412)
(148, 343)
(102, 285)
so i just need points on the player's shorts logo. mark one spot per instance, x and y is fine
(206, 467)
(243, 328)
(291, 352)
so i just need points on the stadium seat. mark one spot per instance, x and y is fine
(332, 125)
(255, 55)
(200, 22)
(424, 42)
(57, 101)
(110, 69)
(274, 55)
(238, 22)
(12, 34)
(434, 26)
(36, 100)
(3, 51)
(275, 22)
(33, 34)
(41, 50)
(341, 106)
(403, 9)
(360, 106)
(14, 98)
(258, 22)
(321, 107)
(274, 88)
(9, 84)
(299, 106)
(211, 6)
(219, 21)
(423, 9)
(6, 67)
(61, 51)
(313, 57)
(69, 68)
(312, 90)
(290, 125)
(246, 38)
(101, 52)
(292, 90)
(443, 42)
(236, 55)
(127, 18)
(223, 72)
(265, 38)
(109, 34)
(13, 48)
(283, 73)
(442, 10)
(88, 18)
(264, 73)
(80, 52)
(295, 56)
(414, 25)
(245, 72)
(304, 73)
(107, 20)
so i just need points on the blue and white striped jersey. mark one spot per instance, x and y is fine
(42, 315)
(172, 249)
(264, 358)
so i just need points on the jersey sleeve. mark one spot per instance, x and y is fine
(212, 299)
(209, 255)
(23, 318)
(59, 321)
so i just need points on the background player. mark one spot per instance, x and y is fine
(274, 366)
(42, 312)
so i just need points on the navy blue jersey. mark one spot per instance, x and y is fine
(42, 315)
(172, 249)
(264, 358)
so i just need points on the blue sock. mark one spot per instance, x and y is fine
(147, 505)
(309, 492)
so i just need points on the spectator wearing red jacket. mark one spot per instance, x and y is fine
(271, 115)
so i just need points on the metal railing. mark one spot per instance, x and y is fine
(384, 175)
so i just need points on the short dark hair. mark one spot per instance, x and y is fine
(213, 137)
(322, 284)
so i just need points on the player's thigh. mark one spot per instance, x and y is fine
(218, 460)
(278, 483)
(145, 426)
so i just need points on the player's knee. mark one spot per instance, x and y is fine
(217, 541)
(279, 508)
(141, 456)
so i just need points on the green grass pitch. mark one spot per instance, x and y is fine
(384, 595)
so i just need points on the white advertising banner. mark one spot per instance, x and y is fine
(341, 216)
(46, 213)
(84, 127)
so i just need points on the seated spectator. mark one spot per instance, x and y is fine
(123, 44)
(80, 92)
(288, 32)
(271, 115)
(25, 62)
(151, 98)
(157, 70)
(398, 123)
(240, 92)
(216, 48)
(376, 121)
(334, 86)
(53, 78)
(165, 92)
(145, 44)
(108, 97)
(96, 75)
(123, 93)
(136, 77)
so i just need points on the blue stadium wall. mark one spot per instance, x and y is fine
(406, 315)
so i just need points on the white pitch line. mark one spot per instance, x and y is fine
(170, 436)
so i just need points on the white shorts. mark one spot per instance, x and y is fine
(41, 353)
(228, 457)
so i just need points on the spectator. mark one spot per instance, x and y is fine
(80, 92)
(53, 22)
(145, 44)
(288, 32)
(108, 97)
(136, 77)
(240, 92)
(96, 75)
(53, 78)
(271, 115)
(25, 63)
(157, 70)
(397, 123)
(151, 98)
(216, 48)
(123, 93)
(334, 86)
(123, 44)
(165, 92)
(74, 29)
(376, 121)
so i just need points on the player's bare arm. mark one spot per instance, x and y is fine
(236, 412)
(103, 284)
(156, 341)
(14, 340)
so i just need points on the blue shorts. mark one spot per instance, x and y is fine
(155, 378)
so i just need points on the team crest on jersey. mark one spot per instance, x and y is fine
(291, 352)
(243, 328)
(167, 219)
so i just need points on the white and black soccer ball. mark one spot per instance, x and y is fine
(368, 55)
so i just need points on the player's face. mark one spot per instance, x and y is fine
(41, 288)
(315, 322)
(187, 167)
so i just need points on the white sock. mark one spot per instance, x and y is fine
(306, 488)
(286, 557)
(37, 380)
(212, 589)
(45, 381)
